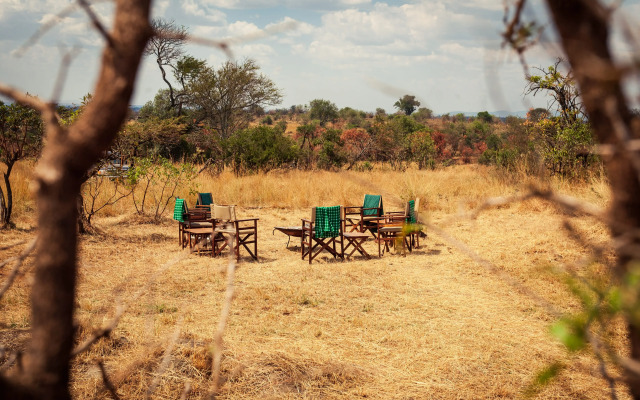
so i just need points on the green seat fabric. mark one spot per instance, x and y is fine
(411, 218)
(178, 210)
(327, 222)
(372, 201)
(205, 199)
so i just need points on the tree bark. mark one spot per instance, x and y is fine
(66, 157)
(584, 32)
(7, 208)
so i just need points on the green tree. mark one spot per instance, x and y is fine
(407, 104)
(225, 98)
(261, 148)
(331, 153)
(562, 89)
(323, 110)
(21, 132)
(485, 116)
(155, 181)
(423, 115)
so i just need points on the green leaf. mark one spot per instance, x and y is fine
(570, 333)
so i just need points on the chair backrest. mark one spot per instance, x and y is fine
(372, 201)
(204, 199)
(223, 213)
(327, 221)
(179, 209)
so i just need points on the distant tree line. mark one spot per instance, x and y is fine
(216, 118)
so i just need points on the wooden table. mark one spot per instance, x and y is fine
(199, 236)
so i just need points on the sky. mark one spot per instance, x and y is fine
(363, 54)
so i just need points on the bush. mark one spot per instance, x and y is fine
(261, 148)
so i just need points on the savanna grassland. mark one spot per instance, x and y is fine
(432, 324)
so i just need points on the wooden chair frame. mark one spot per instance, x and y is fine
(311, 246)
(234, 232)
(196, 218)
(361, 219)
(391, 230)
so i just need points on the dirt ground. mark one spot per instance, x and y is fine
(430, 324)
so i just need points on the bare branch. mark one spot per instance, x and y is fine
(107, 382)
(10, 246)
(96, 21)
(44, 29)
(224, 317)
(120, 310)
(166, 358)
(16, 269)
(186, 391)
(491, 267)
(621, 131)
(47, 110)
(67, 58)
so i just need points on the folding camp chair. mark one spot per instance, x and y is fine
(198, 218)
(414, 227)
(322, 232)
(394, 229)
(364, 218)
(205, 200)
(235, 232)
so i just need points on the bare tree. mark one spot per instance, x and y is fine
(167, 47)
(68, 154)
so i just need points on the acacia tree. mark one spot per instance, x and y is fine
(561, 87)
(323, 110)
(225, 98)
(68, 154)
(20, 137)
(407, 104)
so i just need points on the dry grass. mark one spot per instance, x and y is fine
(431, 325)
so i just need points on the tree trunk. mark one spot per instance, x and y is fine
(7, 208)
(67, 156)
(583, 29)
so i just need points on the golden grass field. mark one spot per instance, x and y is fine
(433, 324)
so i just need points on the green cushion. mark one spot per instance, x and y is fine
(412, 212)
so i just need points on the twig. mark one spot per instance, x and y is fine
(224, 317)
(43, 29)
(47, 110)
(107, 382)
(9, 246)
(16, 269)
(166, 358)
(186, 391)
(96, 22)
(120, 310)
(67, 58)
(622, 132)
(491, 267)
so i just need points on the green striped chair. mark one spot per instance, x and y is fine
(322, 232)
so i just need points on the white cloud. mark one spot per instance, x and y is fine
(203, 9)
(252, 4)
(8, 7)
